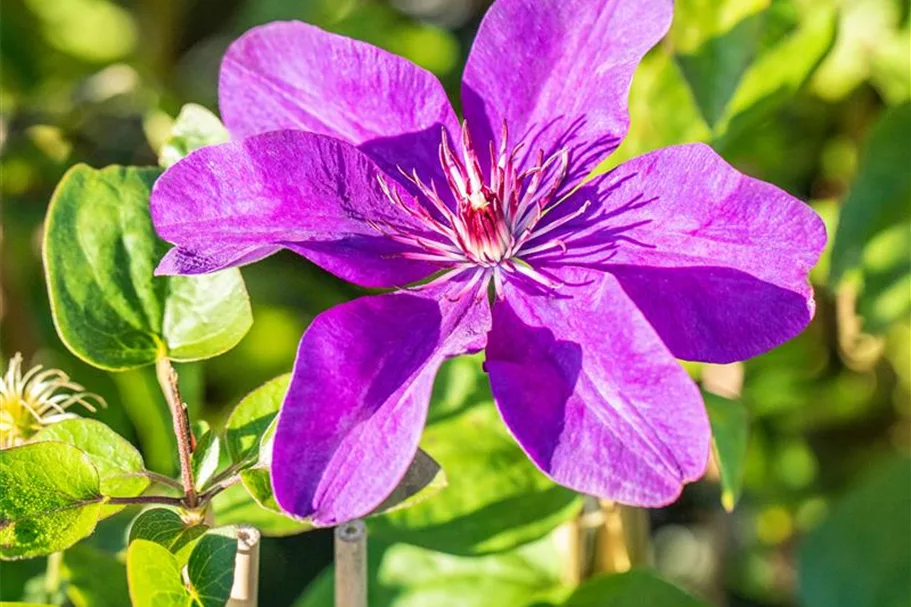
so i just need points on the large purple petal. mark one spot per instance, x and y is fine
(717, 261)
(559, 71)
(592, 394)
(356, 406)
(234, 203)
(291, 75)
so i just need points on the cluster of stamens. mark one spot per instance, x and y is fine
(491, 220)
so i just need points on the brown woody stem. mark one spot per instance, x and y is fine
(167, 378)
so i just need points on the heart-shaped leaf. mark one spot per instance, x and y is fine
(155, 576)
(100, 253)
(165, 527)
(51, 498)
(119, 464)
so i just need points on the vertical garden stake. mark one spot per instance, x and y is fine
(245, 590)
(351, 565)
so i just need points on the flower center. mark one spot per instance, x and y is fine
(494, 215)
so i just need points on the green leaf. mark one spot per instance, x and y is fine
(881, 193)
(195, 127)
(211, 567)
(155, 577)
(779, 72)
(94, 578)
(51, 499)
(204, 459)
(400, 575)
(860, 556)
(235, 506)
(496, 498)
(631, 589)
(715, 41)
(165, 527)
(872, 44)
(873, 237)
(119, 464)
(100, 252)
(730, 430)
(251, 418)
(663, 110)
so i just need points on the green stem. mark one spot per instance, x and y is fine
(52, 574)
(218, 488)
(162, 480)
(163, 500)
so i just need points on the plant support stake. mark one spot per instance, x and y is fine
(351, 565)
(245, 590)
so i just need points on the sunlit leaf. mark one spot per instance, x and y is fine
(194, 128)
(100, 252)
(51, 498)
(860, 556)
(874, 227)
(715, 41)
(251, 418)
(204, 460)
(779, 72)
(155, 576)
(119, 464)
(871, 44)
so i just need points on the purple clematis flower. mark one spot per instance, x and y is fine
(353, 158)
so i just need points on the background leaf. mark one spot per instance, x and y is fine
(873, 238)
(401, 575)
(100, 252)
(860, 556)
(631, 589)
(118, 463)
(94, 578)
(51, 498)
(730, 431)
(496, 498)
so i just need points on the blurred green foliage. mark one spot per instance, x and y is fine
(809, 94)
